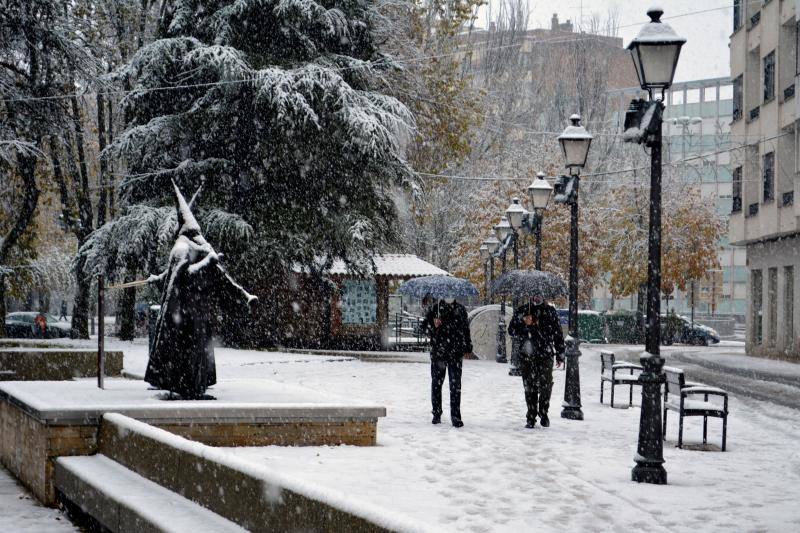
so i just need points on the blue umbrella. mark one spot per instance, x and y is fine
(438, 287)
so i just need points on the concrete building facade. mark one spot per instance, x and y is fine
(764, 218)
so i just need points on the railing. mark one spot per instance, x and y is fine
(788, 92)
(754, 113)
(755, 19)
(752, 210)
(787, 199)
(407, 331)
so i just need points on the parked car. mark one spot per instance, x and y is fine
(591, 325)
(23, 324)
(684, 333)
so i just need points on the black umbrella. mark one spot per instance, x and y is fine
(529, 283)
(438, 287)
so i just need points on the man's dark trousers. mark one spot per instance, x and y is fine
(453, 369)
(537, 378)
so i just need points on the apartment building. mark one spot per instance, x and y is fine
(764, 217)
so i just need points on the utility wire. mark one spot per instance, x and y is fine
(365, 64)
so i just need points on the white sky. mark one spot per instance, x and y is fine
(705, 54)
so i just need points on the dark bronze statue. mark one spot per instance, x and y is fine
(194, 286)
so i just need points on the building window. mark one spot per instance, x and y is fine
(772, 302)
(359, 302)
(769, 76)
(787, 199)
(737, 190)
(737, 98)
(788, 306)
(769, 177)
(756, 293)
(797, 48)
(737, 14)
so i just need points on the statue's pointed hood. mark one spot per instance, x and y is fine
(187, 224)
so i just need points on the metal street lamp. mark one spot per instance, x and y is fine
(655, 52)
(502, 231)
(484, 250)
(539, 193)
(492, 244)
(515, 215)
(575, 142)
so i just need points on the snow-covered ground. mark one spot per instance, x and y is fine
(494, 475)
(21, 513)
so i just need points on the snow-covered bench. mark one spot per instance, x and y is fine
(680, 396)
(615, 373)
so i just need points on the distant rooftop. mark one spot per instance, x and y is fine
(391, 265)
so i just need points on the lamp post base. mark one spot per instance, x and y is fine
(649, 456)
(645, 472)
(571, 407)
(500, 356)
(571, 412)
(513, 368)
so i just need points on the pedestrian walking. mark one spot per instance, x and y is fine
(40, 325)
(63, 310)
(536, 326)
(448, 327)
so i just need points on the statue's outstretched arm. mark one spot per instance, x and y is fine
(158, 278)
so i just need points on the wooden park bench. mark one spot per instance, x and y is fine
(680, 396)
(615, 374)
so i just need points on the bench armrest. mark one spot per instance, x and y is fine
(624, 365)
(703, 390)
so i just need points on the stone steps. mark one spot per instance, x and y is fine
(122, 500)
(190, 473)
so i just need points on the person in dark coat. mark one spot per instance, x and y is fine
(448, 327)
(536, 326)
(195, 285)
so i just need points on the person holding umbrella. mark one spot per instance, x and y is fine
(448, 328)
(536, 326)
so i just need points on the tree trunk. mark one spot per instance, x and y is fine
(126, 309)
(83, 281)
(2, 305)
(80, 309)
(24, 214)
(101, 139)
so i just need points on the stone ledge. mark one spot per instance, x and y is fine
(247, 494)
(122, 500)
(55, 364)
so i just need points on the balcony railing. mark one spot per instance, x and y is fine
(755, 19)
(788, 92)
(787, 199)
(752, 209)
(754, 113)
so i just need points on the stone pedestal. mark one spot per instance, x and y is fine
(41, 421)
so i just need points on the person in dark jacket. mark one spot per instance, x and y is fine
(448, 327)
(536, 326)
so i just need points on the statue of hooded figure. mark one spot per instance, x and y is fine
(195, 284)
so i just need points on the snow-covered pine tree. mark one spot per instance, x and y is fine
(273, 106)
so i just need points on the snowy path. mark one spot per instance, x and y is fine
(20, 512)
(494, 475)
